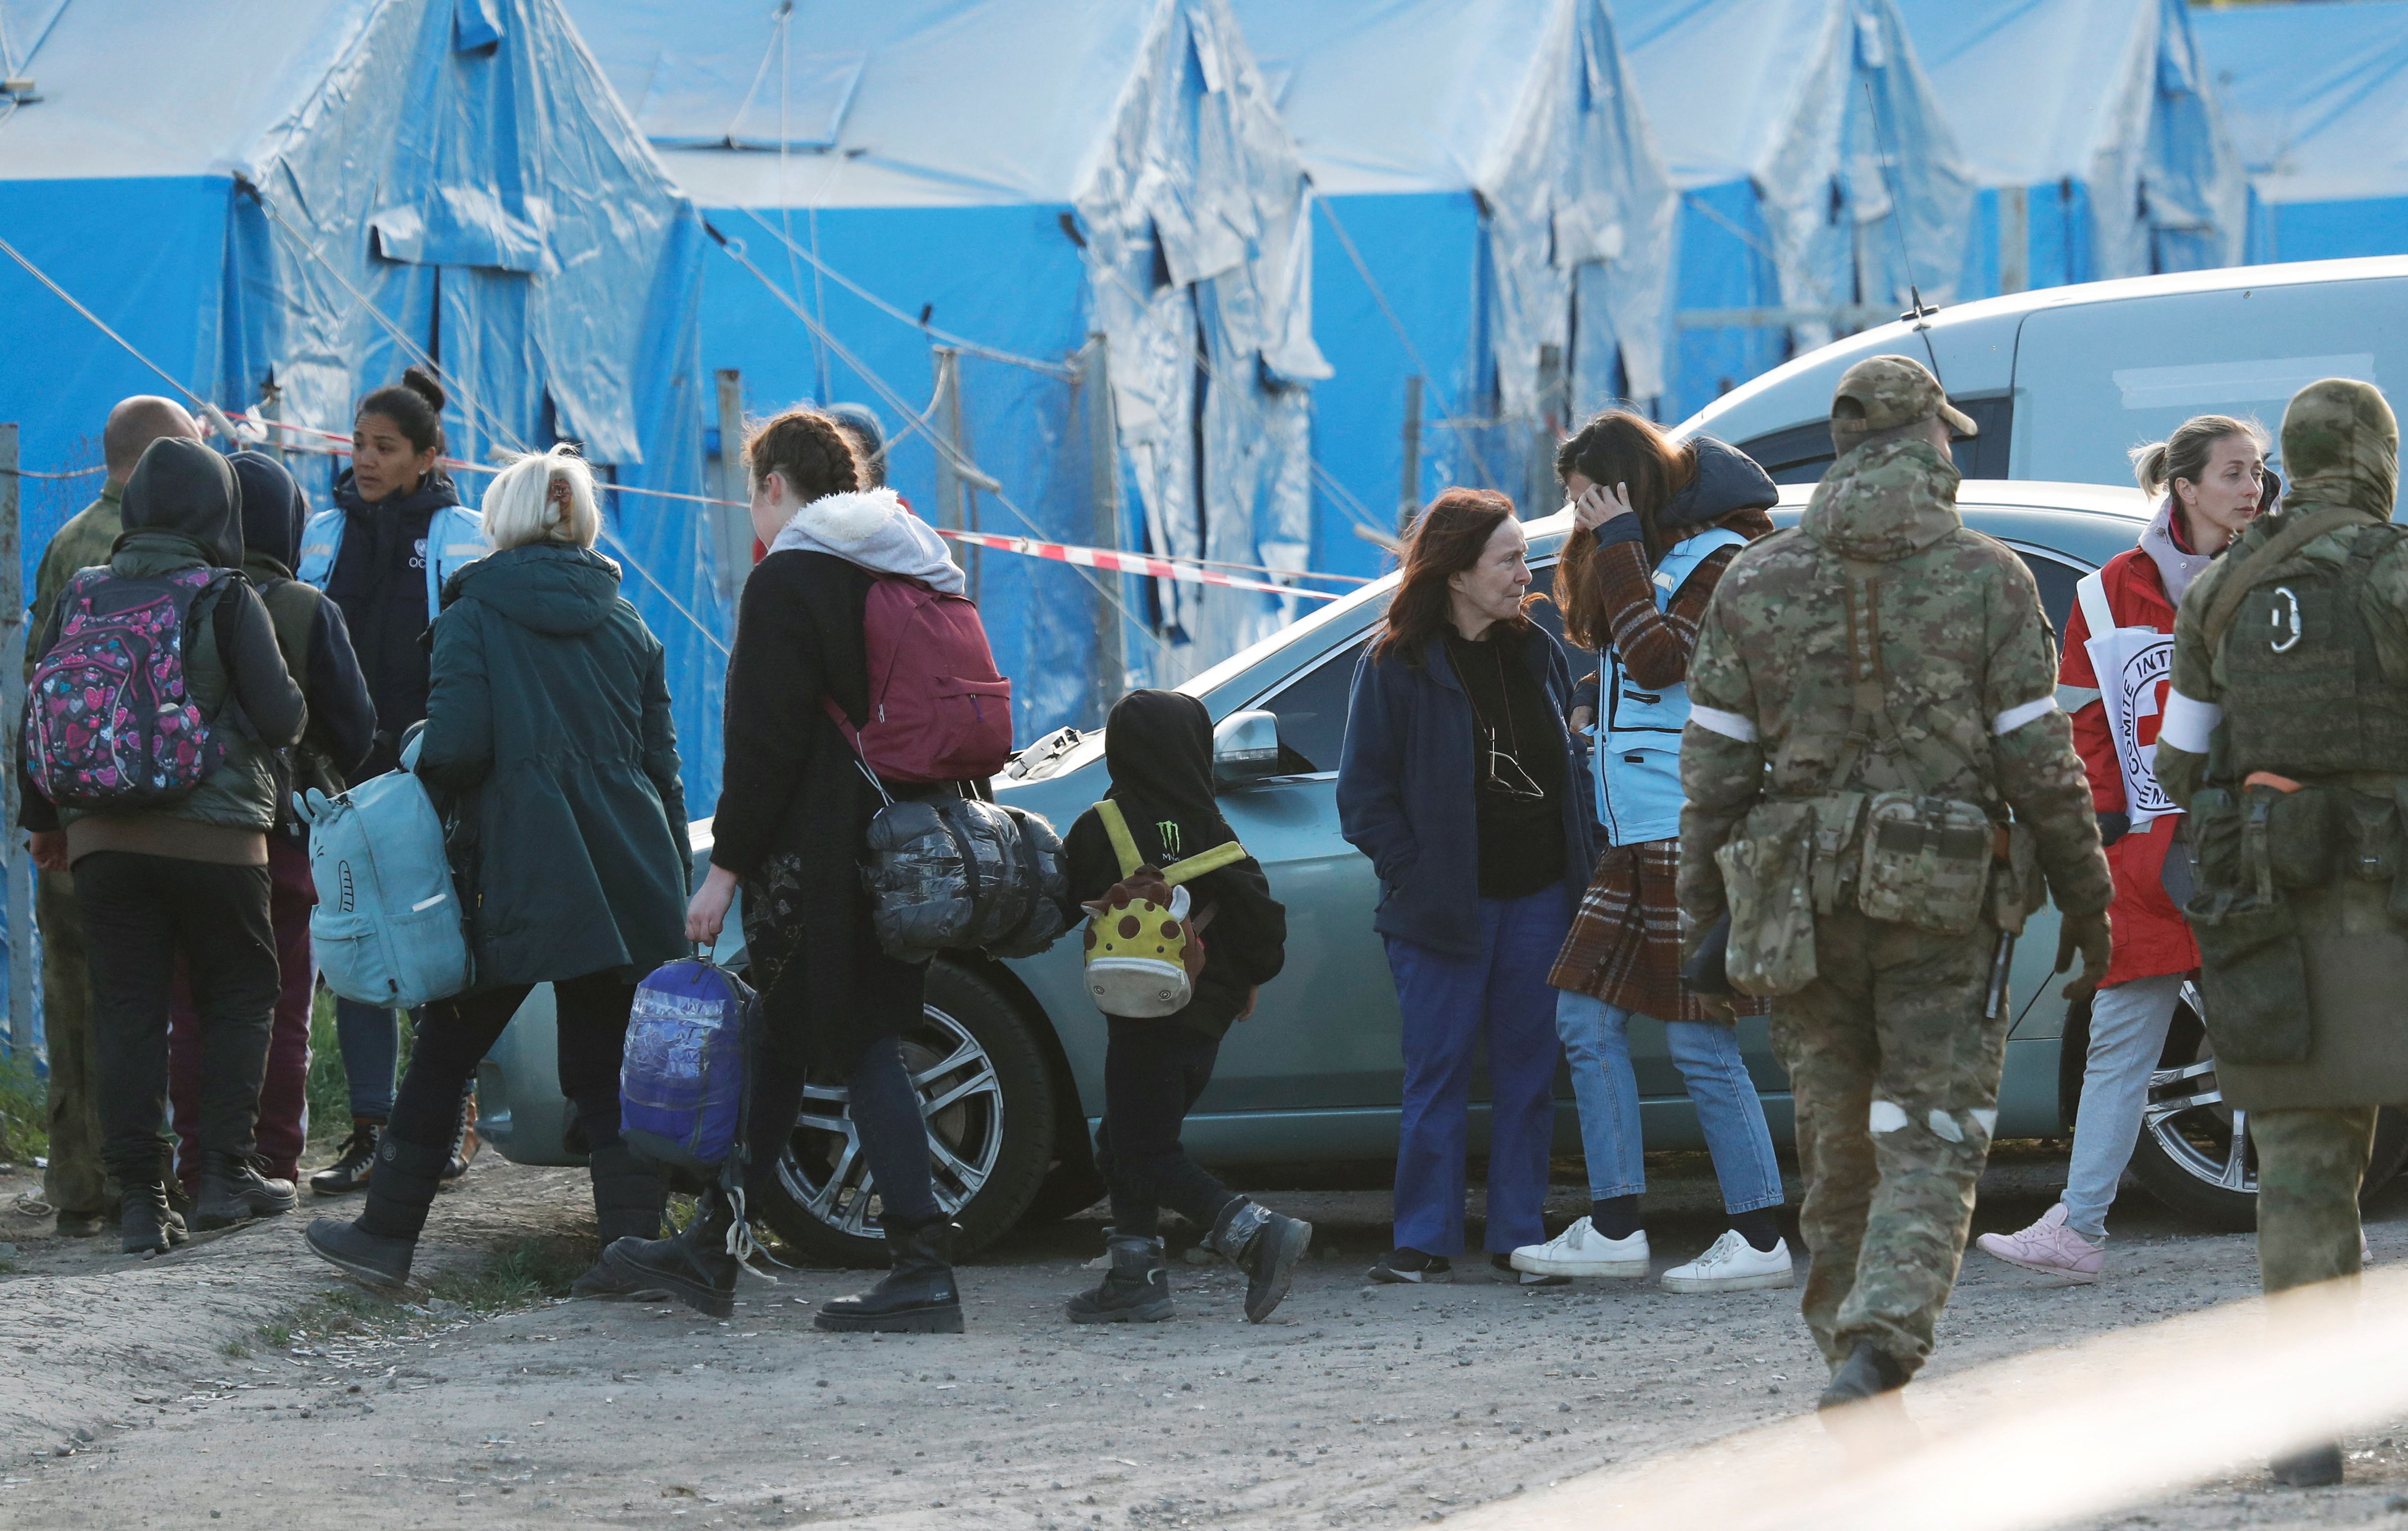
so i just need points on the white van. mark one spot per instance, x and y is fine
(2064, 380)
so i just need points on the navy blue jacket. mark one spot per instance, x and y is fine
(1405, 786)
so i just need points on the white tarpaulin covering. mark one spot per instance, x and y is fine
(1802, 101)
(1526, 103)
(2108, 96)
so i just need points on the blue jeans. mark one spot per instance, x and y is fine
(1445, 1000)
(1596, 1044)
(370, 1039)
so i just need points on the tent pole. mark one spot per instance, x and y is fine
(1104, 508)
(2014, 239)
(734, 527)
(1408, 491)
(15, 858)
(950, 489)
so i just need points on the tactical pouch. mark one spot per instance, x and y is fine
(2370, 848)
(2214, 833)
(2253, 976)
(1767, 880)
(2300, 834)
(1837, 816)
(1926, 862)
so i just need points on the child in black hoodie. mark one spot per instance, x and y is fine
(1158, 746)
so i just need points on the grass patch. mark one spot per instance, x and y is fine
(522, 1277)
(235, 1349)
(24, 1108)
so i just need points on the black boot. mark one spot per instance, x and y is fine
(1266, 1246)
(377, 1246)
(918, 1297)
(1136, 1290)
(350, 1170)
(143, 1218)
(695, 1266)
(1868, 1373)
(464, 1142)
(628, 1200)
(2317, 1468)
(233, 1191)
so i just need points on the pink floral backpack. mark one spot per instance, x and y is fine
(110, 720)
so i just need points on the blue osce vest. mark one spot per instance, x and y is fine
(1636, 761)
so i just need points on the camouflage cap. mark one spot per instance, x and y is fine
(2341, 446)
(1883, 393)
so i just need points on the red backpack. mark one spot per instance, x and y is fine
(938, 711)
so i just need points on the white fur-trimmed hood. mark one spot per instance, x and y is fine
(874, 528)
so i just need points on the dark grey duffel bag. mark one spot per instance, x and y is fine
(960, 874)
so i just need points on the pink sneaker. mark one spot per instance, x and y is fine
(2050, 1248)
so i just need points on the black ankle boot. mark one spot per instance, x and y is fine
(918, 1297)
(1136, 1290)
(2317, 1468)
(143, 1218)
(628, 1199)
(1868, 1373)
(695, 1267)
(350, 1170)
(1266, 1246)
(379, 1245)
(233, 1191)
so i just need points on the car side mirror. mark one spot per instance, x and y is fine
(1245, 748)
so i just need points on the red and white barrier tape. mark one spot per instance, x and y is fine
(1027, 548)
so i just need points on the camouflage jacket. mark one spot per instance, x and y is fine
(1969, 667)
(82, 544)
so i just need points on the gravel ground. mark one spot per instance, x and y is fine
(1356, 1405)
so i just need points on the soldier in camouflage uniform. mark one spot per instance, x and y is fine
(2286, 737)
(1881, 672)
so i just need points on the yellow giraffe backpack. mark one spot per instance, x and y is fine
(1143, 951)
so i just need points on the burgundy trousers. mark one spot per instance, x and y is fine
(284, 1094)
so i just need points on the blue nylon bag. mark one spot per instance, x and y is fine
(682, 1082)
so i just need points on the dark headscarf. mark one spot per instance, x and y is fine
(1158, 746)
(185, 488)
(273, 509)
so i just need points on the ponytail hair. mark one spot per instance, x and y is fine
(2184, 455)
(414, 405)
(522, 504)
(815, 455)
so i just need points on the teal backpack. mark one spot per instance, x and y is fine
(388, 926)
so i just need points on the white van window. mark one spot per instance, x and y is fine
(2094, 380)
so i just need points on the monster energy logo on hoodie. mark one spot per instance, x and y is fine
(1169, 829)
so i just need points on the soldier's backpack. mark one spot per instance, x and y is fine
(939, 709)
(110, 721)
(1143, 952)
(388, 928)
(682, 1083)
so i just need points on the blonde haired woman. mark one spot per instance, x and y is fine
(547, 738)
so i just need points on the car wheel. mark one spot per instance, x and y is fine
(2195, 1153)
(988, 1100)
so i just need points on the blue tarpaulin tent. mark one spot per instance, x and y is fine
(978, 186)
(2093, 133)
(2315, 94)
(1503, 231)
(1775, 118)
(286, 207)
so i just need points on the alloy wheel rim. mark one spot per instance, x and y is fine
(2187, 1118)
(824, 1170)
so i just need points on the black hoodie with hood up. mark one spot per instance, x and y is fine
(183, 509)
(310, 627)
(1158, 746)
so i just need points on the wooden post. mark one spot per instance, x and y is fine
(951, 492)
(15, 859)
(732, 528)
(1104, 502)
(2014, 239)
(1409, 492)
(1539, 479)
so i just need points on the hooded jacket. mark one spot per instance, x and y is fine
(1158, 748)
(547, 731)
(182, 510)
(875, 530)
(309, 629)
(386, 565)
(1968, 675)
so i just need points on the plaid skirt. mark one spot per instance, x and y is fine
(1625, 946)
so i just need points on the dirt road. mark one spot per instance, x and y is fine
(1357, 1405)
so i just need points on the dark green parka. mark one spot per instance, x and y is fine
(548, 721)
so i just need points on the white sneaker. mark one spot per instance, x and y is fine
(1733, 1265)
(1582, 1250)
